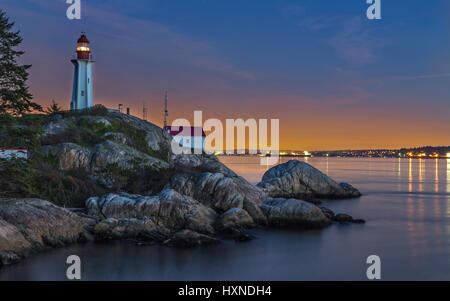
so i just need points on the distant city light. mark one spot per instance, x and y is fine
(448, 155)
(306, 153)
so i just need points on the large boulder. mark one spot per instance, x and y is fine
(169, 209)
(65, 138)
(125, 228)
(125, 157)
(31, 225)
(156, 138)
(293, 213)
(56, 125)
(99, 120)
(199, 164)
(118, 138)
(189, 239)
(295, 179)
(235, 219)
(207, 180)
(72, 156)
(343, 218)
(69, 155)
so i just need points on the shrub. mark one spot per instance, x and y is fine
(40, 179)
(84, 133)
(137, 180)
(54, 108)
(139, 138)
(21, 136)
(97, 110)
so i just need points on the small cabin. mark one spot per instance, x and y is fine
(188, 137)
(9, 154)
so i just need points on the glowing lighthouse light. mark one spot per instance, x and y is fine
(82, 95)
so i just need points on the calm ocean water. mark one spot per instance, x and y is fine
(406, 204)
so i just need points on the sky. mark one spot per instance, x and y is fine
(333, 78)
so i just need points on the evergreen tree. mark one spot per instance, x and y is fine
(54, 108)
(15, 99)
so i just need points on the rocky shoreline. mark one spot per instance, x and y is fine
(203, 203)
(128, 185)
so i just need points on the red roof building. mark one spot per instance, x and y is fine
(185, 131)
(83, 40)
(188, 137)
(83, 48)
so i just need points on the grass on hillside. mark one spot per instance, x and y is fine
(40, 177)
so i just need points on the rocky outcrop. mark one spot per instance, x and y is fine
(199, 164)
(69, 155)
(96, 120)
(118, 138)
(31, 225)
(56, 126)
(66, 138)
(156, 138)
(207, 180)
(328, 213)
(168, 209)
(350, 190)
(189, 239)
(235, 219)
(293, 213)
(125, 157)
(201, 199)
(296, 179)
(126, 228)
(72, 156)
(343, 218)
(340, 218)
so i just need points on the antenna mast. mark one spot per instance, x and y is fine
(166, 110)
(144, 112)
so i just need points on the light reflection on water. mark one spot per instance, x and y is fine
(405, 203)
(448, 175)
(419, 208)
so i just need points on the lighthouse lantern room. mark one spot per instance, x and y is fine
(82, 95)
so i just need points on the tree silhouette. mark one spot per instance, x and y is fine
(54, 108)
(15, 98)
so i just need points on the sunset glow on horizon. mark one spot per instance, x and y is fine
(334, 79)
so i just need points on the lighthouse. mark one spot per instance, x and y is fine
(82, 95)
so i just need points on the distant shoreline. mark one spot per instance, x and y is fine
(424, 152)
(336, 156)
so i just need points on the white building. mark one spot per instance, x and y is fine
(82, 95)
(188, 137)
(9, 154)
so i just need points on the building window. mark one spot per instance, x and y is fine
(82, 93)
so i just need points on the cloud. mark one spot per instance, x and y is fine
(425, 76)
(144, 39)
(355, 44)
(161, 42)
(347, 35)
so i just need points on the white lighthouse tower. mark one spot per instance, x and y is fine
(82, 95)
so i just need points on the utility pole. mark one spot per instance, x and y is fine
(166, 111)
(144, 112)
